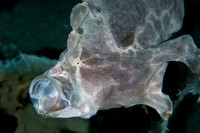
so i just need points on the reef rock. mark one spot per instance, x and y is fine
(117, 56)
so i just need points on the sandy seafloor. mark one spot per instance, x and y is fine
(41, 27)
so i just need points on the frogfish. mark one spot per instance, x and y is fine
(116, 56)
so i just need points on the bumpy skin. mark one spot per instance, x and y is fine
(117, 55)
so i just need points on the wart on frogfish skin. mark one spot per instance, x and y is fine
(100, 71)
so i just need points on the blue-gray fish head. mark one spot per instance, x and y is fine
(54, 95)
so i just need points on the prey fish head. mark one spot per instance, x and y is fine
(53, 95)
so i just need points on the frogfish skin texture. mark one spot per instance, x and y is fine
(116, 56)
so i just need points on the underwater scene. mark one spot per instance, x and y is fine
(98, 66)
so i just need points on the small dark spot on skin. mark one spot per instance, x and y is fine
(128, 40)
(98, 9)
(80, 30)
